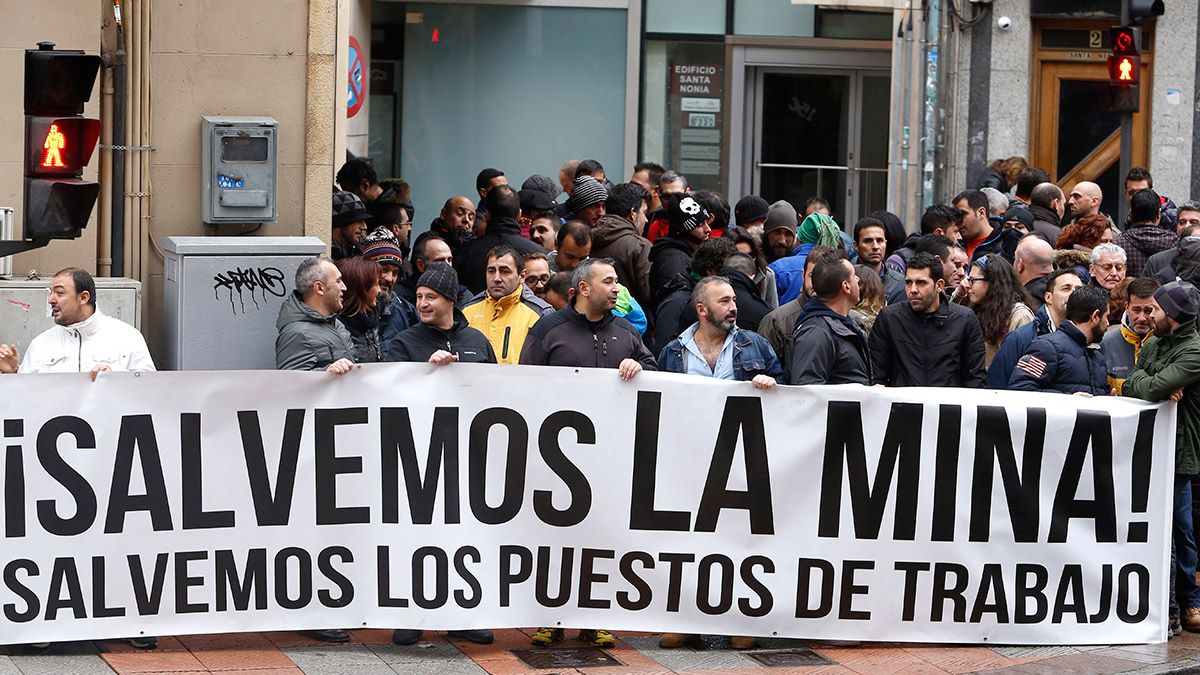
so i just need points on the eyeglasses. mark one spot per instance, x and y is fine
(1108, 267)
(971, 281)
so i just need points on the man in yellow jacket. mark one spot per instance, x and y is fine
(507, 309)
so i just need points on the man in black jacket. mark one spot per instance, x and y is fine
(828, 347)
(926, 342)
(503, 207)
(584, 333)
(442, 335)
(690, 224)
(739, 269)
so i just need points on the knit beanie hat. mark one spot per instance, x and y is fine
(749, 209)
(1021, 215)
(685, 214)
(819, 228)
(1179, 299)
(543, 184)
(348, 208)
(587, 191)
(534, 200)
(383, 247)
(440, 278)
(780, 214)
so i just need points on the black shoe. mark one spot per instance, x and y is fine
(405, 636)
(335, 635)
(479, 637)
(144, 642)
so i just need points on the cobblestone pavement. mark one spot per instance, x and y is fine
(371, 652)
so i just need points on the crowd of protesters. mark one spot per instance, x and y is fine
(1012, 286)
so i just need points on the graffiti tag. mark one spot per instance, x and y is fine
(252, 281)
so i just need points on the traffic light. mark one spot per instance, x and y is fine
(1124, 68)
(1141, 10)
(59, 142)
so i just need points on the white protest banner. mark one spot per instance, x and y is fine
(407, 495)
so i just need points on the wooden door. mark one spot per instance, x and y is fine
(1073, 135)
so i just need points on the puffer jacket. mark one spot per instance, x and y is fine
(616, 237)
(567, 338)
(307, 340)
(506, 322)
(1062, 361)
(752, 355)
(421, 340)
(1014, 346)
(828, 348)
(1167, 363)
(1142, 241)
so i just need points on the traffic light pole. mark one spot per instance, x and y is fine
(1126, 143)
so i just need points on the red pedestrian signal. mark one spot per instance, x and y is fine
(1123, 69)
(59, 143)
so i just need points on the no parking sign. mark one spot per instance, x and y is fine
(357, 89)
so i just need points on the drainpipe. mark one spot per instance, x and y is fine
(929, 141)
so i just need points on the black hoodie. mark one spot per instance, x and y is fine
(750, 306)
(669, 256)
(471, 261)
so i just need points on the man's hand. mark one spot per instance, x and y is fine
(1114, 392)
(97, 369)
(10, 358)
(629, 369)
(763, 382)
(340, 367)
(1177, 394)
(442, 358)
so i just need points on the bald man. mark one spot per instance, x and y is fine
(1084, 199)
(1033, 261)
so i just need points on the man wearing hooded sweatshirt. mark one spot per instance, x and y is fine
(1168, 367)
(816, 229)
(690, 225)
(503, 206)
(617, 235)
(1143, 237)
(828, 347)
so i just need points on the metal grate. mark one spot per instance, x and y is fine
(789, 658)
(566, 658)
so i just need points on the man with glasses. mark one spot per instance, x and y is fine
(1108, 266)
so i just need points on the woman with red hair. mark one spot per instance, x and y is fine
(1085, 234)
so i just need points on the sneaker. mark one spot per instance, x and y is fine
(544, 637)
(1174, 628)
(675, 640)
(1191, 619)
(598, 637)
(144, 642)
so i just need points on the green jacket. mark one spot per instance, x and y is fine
(1165, 364)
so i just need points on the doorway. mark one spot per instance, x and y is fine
(821, 132)
(1073, 135)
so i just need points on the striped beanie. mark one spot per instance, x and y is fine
(383, 247)
(587, 191)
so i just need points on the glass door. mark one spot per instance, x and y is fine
(822, 133)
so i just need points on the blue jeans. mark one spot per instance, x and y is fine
(1186, 594)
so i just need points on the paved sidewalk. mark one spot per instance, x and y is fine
(372, 653)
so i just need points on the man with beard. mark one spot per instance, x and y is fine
(779, 231)
(690, 225)
(926, 341)
(715, 347)
(396, 313)
(1121, 346)
(1065, 361)
(827, 346)
(870, 240)
(1168, 367)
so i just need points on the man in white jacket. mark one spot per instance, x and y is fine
(85, 340)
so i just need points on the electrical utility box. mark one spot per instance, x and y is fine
(25, 310)
(222, 295)
(240, 167)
